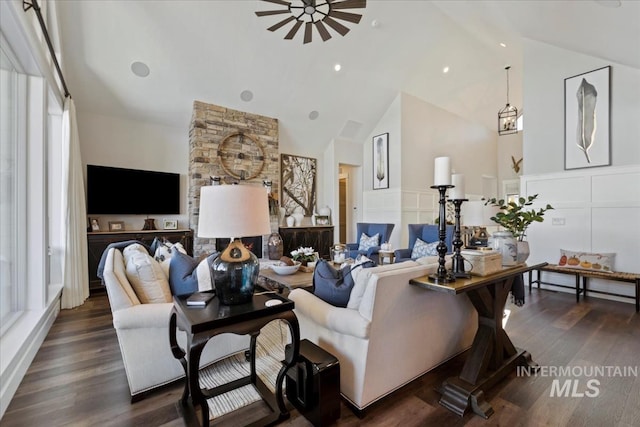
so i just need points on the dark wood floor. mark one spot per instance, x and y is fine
(78, 379)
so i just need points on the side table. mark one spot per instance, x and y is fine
(386, 254)
(203, 323)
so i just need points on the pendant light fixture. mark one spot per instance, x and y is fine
(508, 116)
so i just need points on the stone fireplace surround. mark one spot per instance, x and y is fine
(210, 124)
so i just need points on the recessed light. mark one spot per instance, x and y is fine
(445, 70)
(140, 69)
(375, 23)
(503, 45)
(337, 67)
(313, 115)
(246, 95)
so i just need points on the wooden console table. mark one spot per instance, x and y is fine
(492, 356)
(319, 237)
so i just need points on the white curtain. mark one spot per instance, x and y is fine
(75, 273)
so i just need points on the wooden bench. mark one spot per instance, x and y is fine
(585, 275)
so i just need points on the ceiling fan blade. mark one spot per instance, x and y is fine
(336, 25)
(293, 30)
(349, 4)
(272, 12)
(281, 23)
(324, 33)
(308, 28)
(282, 2)
(346, 16)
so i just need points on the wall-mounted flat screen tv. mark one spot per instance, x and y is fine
(131, 191)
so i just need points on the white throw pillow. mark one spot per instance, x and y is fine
(602, 262)
(422, 248)
(145, 275)
(367, 242)
(164, 252)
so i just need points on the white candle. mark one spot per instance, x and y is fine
(442, 171)
(457, 192)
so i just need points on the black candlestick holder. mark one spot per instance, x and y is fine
(457, 262)
(442, 276)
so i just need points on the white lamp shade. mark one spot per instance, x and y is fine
(475, 213)
(230, 211)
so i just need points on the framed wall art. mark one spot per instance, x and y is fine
(298, 180)
(381, 161)
(170, 224)
(94, 224)
(586, 119)
(116, 225)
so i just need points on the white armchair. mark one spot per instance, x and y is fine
(143, 334)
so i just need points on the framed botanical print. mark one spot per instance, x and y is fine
(586, 119)
(381, 161)
(298, 180)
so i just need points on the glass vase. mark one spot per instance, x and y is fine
(505, 243)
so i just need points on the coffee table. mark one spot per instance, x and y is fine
(203, 323)
(299, 279)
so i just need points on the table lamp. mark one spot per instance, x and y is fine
(477, 216)
(233, 212)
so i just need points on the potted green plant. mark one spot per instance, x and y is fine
(516, 217)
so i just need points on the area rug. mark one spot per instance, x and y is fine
(269, 355)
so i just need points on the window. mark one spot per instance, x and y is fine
(12, 170)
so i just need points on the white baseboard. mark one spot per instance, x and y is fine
(20, 345)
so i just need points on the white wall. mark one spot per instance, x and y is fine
(118, 142)
(597, 209)
(418, 133)
(429, 132)
(545, 69)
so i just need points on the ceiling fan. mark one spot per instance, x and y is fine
(318, 14)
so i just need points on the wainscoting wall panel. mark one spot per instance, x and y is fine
(596, 210)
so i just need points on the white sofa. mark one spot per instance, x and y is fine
(143, 334)
(397, 332)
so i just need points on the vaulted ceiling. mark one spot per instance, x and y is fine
(212, 51)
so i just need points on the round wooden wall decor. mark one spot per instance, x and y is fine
(241, 156)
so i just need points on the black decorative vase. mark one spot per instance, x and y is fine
(275, 246)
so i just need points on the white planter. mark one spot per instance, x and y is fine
(298, 218)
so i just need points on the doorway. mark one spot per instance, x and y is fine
(342, 209)
(347, 201)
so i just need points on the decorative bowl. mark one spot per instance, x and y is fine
(284, 270)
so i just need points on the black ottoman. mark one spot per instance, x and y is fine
(313, 384)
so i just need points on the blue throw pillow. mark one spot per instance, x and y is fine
(183, 273)
(422, 249)
(331, 285)
(334, 286)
